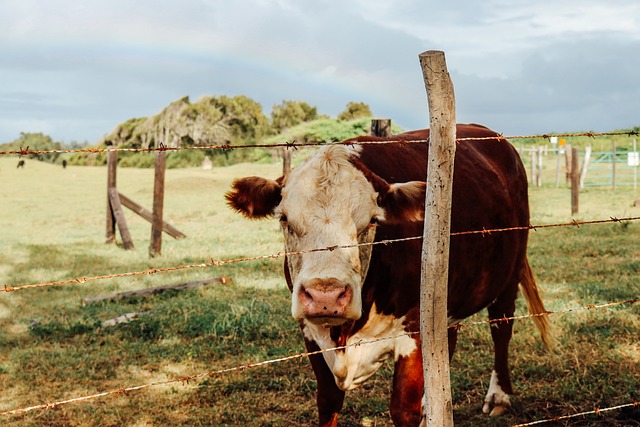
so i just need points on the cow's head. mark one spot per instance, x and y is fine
(330, 200)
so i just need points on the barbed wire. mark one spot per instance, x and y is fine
(161, 147)
(597, 411)
(214, 263)
(186, 379)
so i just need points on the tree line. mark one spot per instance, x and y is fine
(211, 120)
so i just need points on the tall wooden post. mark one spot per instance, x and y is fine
(155, 248)
(437, 232)
(381, 127)
(112, 166)
(568, 162)
(539, 167)
(575, 181)
(286, 160)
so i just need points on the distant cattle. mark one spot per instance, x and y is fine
(64, 164)
(20, 164)
(352, 195)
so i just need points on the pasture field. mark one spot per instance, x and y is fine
(54, 348)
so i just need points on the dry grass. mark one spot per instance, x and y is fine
(52, 347)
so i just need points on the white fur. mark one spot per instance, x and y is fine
(496, 397)
(354, 365)
(328, 202)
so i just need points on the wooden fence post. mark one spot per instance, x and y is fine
(539, 167)
(155, 248)
(435, 249)
(575, 181)
(112, 166)
(381, 127)
(585, 165)
(568, 162)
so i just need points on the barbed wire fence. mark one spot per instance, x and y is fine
(213, 263)
(161, 147)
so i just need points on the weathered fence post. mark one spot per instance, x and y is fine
(437, 231)
(155, 248)
(575, 181)
(381, 127)
(568, 163)
(112, 165)
(539, 167)
(585, 165)
(286, 160)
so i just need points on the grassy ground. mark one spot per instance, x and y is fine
(52, 347)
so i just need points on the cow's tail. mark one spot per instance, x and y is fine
(539, 314)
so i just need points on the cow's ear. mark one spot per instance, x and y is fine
(404, 202)
(254, 197)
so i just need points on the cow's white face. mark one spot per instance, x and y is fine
(328, 202)
(331, 200)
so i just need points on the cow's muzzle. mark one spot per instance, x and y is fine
(326, 302)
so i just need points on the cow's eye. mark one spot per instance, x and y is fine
(374, 220)
(283, 218)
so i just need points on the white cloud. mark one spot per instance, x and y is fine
(106, 61)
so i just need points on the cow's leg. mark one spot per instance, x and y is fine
(500, 384)
(408, 386)
(329, 397)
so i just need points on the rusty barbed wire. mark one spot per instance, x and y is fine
(597, 411)
(547, 312)
(186, 379)
(161, 147)
(213, 263)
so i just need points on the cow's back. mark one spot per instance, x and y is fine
(489, 191)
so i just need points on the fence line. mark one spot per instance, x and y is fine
(294, 145)
(213, 263)
(580, 414)
(162, 147)
(186, 379)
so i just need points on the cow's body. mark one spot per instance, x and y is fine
(345, 195)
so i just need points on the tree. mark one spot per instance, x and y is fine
(243, 115)
(355, 110)
(291, 113)
(36, 142)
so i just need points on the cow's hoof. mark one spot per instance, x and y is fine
(500, 403)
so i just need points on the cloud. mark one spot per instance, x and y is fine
(78, 69)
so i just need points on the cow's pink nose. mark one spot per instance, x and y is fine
(325, 298)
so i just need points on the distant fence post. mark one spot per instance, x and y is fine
(585, 165)
(539, 167)
(435, 249)
(575, 181)
(155, 248)
(568, 163)
(112, 166)
(381, 127)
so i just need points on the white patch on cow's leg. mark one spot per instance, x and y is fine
(496, 397)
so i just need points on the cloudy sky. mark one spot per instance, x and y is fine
(75, 69)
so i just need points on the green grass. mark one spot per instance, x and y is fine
(52, 347)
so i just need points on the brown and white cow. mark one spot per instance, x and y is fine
(348, 194)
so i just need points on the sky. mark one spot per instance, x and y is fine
(75, 69)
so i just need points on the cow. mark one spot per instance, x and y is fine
(349, 195)
(20, 164)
